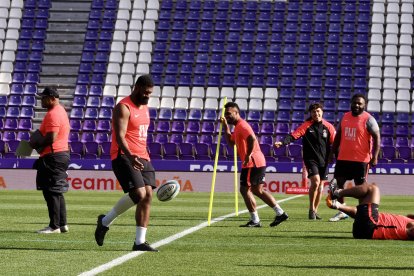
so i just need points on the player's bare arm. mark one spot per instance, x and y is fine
(250, 144)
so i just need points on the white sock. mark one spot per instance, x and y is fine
(123, 204)
(140, 235)
(254, 216)
(279, 211)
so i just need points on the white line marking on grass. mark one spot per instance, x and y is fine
(165, 241)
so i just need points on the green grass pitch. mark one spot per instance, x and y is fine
(296, 247)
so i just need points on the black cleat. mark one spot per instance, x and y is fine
(333, 186)
(279, 219)
(143, 247)
(252, 224)
(100, 231)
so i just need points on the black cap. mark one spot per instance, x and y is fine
(49, 91)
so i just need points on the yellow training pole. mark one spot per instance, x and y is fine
(236, 190)
(213, 180)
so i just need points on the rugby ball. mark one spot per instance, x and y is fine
(168, 190)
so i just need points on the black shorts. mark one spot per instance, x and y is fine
(252, 176)
(351, 170)
(313, 168)
(365, 221)
(130, 178)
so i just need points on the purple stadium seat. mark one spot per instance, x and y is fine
(74, 136)
(177, 138)
(295, 152)
(402, 130)
(178, 127)
(10, 124)
(186, 151)
(23, 135)
(191, 138)
(283, 116)
(405, 153)
(267, 150)
(163, 126)
(256, 126)
(79, 101)
(161, 138)
(266, 139)
(401, 142)
(267, 128)
(282, 128)
(105, 113)
(206, 139)
(268, 116)
(170, 151)
(202, 151)
(25, 124)
(105, 150)
(91, 150)
(76, 149)
(87, 137)
(180, 115)
(388, 152)
(88, 125)
(104, 125)
(29, 101)
(193, 127)
(222, 152)
(155, 150)
(208, 127)
(101, 137)
(387, 141)
(165, 114)
(9, 135)
(91, 113)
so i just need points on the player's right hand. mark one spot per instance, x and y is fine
(278, 144)
(136, 163)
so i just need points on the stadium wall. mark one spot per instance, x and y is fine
(196, 176)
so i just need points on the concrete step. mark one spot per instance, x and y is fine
(65, 27)
(75, 6)
(60, 70)
(58, 81)
(79, 16)
(64, 38)
(63, 48)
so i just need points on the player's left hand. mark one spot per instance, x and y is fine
(373, 162)
(246, 160)
(223, 121)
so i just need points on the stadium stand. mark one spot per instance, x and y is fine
(272, 57)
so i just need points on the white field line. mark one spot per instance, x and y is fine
(167, 240)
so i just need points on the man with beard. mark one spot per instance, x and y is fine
(356, 146)
(252, 175)
(131, 163)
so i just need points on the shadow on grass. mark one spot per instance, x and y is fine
(333, 267)
(298, 237)
(62, 249)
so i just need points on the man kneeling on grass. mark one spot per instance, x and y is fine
(369, 223)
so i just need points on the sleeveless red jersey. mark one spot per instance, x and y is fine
(391, 227)
(356, 141)
(242, 130)
(136, 134)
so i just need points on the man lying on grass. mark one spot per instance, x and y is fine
(369, 223)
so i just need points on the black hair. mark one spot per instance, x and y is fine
(359, 95)
(144, 81)
(314, 106)
(231, 104)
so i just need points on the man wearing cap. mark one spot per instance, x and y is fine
(51, 142)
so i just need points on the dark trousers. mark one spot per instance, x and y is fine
(56, 207)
